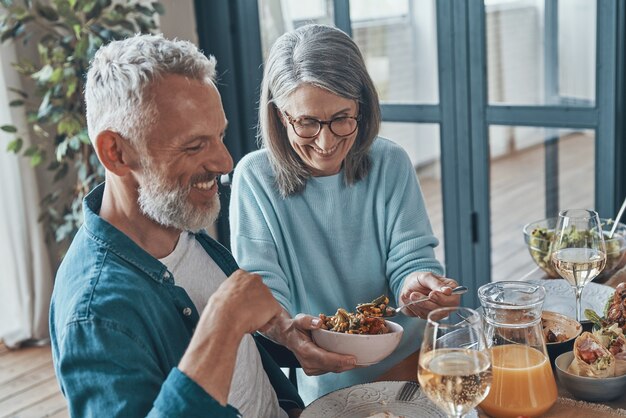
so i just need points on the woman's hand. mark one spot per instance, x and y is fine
(425, 283)
(295, 334)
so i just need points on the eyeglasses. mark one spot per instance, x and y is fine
(310, 127)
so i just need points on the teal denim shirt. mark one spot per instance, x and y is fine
(119, 326)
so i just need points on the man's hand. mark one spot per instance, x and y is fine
(241, 305)
(244, 302)
(424, 283)
(295, 334)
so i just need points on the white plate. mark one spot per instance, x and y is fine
(560, 296)
(360, 401)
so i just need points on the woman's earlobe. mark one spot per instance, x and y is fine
(281, 116)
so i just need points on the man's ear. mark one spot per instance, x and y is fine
(114, 152)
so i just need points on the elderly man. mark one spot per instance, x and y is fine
(127, 336)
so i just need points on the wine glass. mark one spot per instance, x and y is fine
(578, 251)
(454, 368)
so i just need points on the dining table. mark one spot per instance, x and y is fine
(577, 407)
(356, 401)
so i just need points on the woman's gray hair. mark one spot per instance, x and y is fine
(324, 57)
(119, 79)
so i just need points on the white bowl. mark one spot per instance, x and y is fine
(368, 349)
(594, 389)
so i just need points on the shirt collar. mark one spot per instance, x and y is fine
(118, 242)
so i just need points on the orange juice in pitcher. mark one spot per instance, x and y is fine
(523, 383)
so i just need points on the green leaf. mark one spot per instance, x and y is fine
(24, 67)
(71, 88)
(27, 18)
(16, 103)
(9, 128)
(39, 131)
(146, 11)
(61, 173)
(158, 7)
(127, 25)
(94, 12)
(94, 43)
(82, 173)
(61, 151)
(15, 146)
(74, 143)
(31, 117)
(19, 92)
(81, 47)
(44, 107)
(7, 34)
(18, 29)
(84, 137)
(18, 12)
(66, 12)
(63, 231)
(44, 74)
(56, 75)
(47, 12)
(30, 151)
(69, 126)
(36, 159)
(53, 166)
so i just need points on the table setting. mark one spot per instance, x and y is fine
(550, 347)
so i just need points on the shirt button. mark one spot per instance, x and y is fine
(167, 275)
(187, 311)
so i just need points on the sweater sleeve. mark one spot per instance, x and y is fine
(255, 231)
(105, 369)
(409, 234)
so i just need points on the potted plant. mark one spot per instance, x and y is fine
(67, 34)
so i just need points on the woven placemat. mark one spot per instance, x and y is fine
(571, 408)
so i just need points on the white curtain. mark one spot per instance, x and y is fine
(25, 273)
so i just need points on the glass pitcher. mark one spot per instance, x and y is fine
(523, 383)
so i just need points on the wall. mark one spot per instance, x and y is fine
(179, 20)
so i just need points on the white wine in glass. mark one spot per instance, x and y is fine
(578, 251)
(454, 365)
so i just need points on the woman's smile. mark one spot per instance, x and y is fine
(324, 153)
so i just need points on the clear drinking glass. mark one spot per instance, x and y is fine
(454, 364)
(578, 251)
(523, 383)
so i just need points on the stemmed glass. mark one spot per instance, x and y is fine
(454, 368)
(578, 252)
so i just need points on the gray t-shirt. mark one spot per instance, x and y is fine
(196, 272)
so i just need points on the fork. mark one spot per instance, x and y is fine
(407, 391)
(459, 290)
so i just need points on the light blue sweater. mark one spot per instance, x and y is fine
(335, 245)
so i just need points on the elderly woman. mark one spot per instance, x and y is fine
(329, 214)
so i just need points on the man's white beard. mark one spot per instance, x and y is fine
(169, 205)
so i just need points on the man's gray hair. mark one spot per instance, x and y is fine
(119, 79)
(324, 57)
